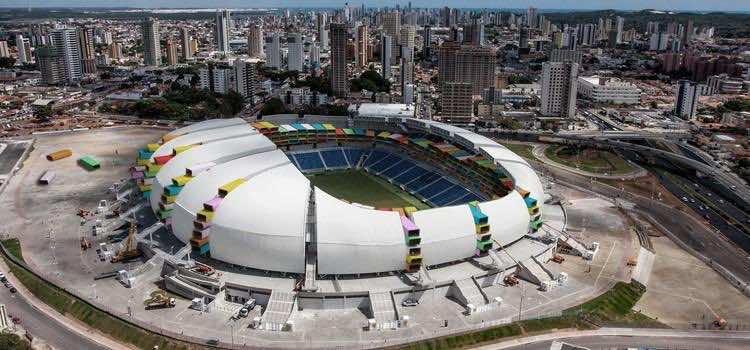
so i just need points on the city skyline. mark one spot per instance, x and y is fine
(670, 5)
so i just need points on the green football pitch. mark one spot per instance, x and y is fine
(361, 187)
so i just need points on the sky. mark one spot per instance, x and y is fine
(680, 5)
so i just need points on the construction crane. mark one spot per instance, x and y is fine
(129, 251)
(159, 299)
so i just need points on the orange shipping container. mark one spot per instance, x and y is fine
(57, 155)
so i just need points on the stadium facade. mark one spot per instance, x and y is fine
(237, 191)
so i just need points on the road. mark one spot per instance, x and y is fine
(42, 326)
(640, 342)
(684, 226)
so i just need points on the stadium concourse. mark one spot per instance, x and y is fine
(236, 193)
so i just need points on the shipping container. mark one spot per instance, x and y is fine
(57, 155)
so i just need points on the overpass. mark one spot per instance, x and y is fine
(611, 140)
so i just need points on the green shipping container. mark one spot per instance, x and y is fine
(89, 163)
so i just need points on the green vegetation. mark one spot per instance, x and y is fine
(588, 159)
(72, 306)
(13, 245)
(13, 342)
(361, 187)
(370, 80)
(319, 84)
(613, 308)
(273, 106)
(525, 151)
(181, 103)
(7, 62)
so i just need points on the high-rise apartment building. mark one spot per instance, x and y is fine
(686, 103)
(474, 32)
(21, 48)
(467, 63)
(171, 51)
(246, 79)
(385, 55)
(255, 41)
(187, 50)
(48, 64)
(4, 49)
(363, 45)
(619, 29)
(273, 51)
(339, 82)
(86, 45)
(296, 56)
(559, 88)
(315, 56)
(392, 28)
(427, 42)
(151, 44)
(221, 30)
(408, 39)
(321, 22)
(532, 18)
(456, 103)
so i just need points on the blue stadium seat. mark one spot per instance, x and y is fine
(397, 168)
(374, 157)
(353, 155)
(422, 181)
(334, 158)
(309, 161)
(469, 197)
(435, 188)
(449, 196)
(409, 175)
(387, 162)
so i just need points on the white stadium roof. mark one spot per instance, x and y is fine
(203, 136)
(448, 234)
(261, 223)
(352, 239)
(205, 186)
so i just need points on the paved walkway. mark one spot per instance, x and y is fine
(538, 152)
(72, 325)
(684, 336)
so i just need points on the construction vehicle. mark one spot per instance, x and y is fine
(510, 281)
(85, 244)
(558, 259)
(129, 251)
(159, 299)
(720, 322)
(632, 261)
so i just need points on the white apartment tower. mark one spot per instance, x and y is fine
(151, 45)
(221, 34)
(187, 51)
(273, 51)
(559, 88)
(296, 56)
(65, 44)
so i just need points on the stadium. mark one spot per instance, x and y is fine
(248, 194)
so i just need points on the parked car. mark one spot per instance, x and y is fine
(409, 302)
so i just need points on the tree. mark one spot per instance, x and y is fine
(273, 106)
(7, 62)
(43, 114)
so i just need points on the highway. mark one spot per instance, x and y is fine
(639, 342)
(42, 326)
(682, 225)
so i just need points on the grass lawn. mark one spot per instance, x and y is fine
(589, 159)
(525, 151)
(361, 187)
(14, 247)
